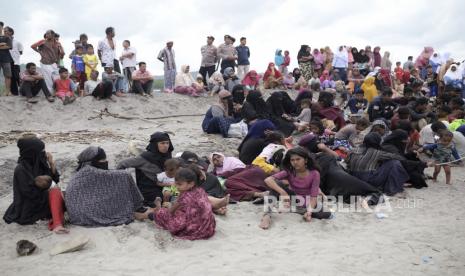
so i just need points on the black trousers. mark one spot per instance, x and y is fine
(227, 63)
(139, 87)
(103, 90)
(115, 66)
(204, 70)
(31, 88)
(15, 80)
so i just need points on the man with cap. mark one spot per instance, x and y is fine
(166, 56)
(227, 53)
(209, 59)
(116, 78)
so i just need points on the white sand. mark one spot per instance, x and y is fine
(352, 243)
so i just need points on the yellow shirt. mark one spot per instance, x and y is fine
(90, 60)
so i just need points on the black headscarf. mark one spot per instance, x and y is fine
(372, 140)
(92, 156)
(296, 75)
(255, 99)
(30, 203)
(153, 155)
(303, 52)
(238, 94)
(305, 94)
(280, 103)
(396, 139)
(326, 98)
(32, 156)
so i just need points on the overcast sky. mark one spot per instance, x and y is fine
(401, 27)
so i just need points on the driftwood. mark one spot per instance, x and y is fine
(106, 112)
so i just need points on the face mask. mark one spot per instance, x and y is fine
(100, 165)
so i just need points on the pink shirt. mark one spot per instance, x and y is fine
(139, 74)
(306, 186)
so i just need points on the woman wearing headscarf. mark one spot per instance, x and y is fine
(435, 61)
(279, 58)
(328, 55)
(377, 56)
(219, 116)
(224, 166)
(396, 143)
(296, 74)
(272, 77)
(254, 107)
(238, 97)
(453, 77)
(305, 60)
(377, 167)
(254, 142)
(318, 60)
(96, 196)
(251, 80)
(369, 89)
(230, 79)
(33, 199)
(386, 62)
(326, 109)
(149, 164)
(370, 55)
(280, 105)
(185, 83)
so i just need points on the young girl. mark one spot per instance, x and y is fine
(443, 152)
(301, 122)
(300, 178)
(90, 60)
(166, 179)
(191, 217)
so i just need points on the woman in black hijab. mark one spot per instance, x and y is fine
(32, 198)
(254, 107)
(396, 143)
(149, 164)
(279, 104)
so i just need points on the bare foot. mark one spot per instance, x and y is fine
(223, 202)
(60, 230)
(220, 211)
(266, 222)
(143, 216)
(435, 180)
(307, 216)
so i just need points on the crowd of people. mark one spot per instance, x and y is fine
(366, 133)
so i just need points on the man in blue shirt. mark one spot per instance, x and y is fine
(243, 55)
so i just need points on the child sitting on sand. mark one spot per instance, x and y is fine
(300, 178)
(191, 216)
(443, 151)
(63, 87)
(305, 116)
(166, 179)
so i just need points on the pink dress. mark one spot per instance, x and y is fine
(194, 218)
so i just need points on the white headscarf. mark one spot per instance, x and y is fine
(453, 75)
(183, 78)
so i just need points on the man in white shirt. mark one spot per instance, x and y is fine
(15, 52)
(128, 61)
(107, 50)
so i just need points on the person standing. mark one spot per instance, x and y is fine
(50, 54)
(5, 58)
(243, 55)
(107, 50)
(128, 61)
(15, 52)
(209, 59)
(227, 53)
(166, 56)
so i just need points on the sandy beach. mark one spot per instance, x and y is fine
(423, 235)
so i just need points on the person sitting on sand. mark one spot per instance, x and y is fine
(96, 196)
(32, 83)
(223, 166)
(300, 179)
(272, 77)
(33, 199)
(251, 80)
(116, 79)
(149, 164)
(63, 87)
(142, 80)
(218, 118)
(166, 179)
(191, 217)
(185, 83)
(98, 89)
(230, 79)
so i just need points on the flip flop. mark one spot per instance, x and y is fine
(74, 244)
(32, 100)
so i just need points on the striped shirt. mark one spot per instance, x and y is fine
(167, 56)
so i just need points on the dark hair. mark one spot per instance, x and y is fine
(79, 47)
(445, 109)
(387, 91)
(243, 38)
(129, 42)
(57, 35)
(457, 101)
(311, 164)
(319, 125)
(9, 29)
(421, 101)
(405, 125)
(90, 46)
(445, 133)
(172, 163)
(398, 62)
(306, 101)
(81, 36)
(274, 137)
(142, 63)
(436, 126)
(1, 23)
(62, 70)
(187, 175)
(363, 122)
(403, 110)
(410, 57)
(108, 30)
(30, 64)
